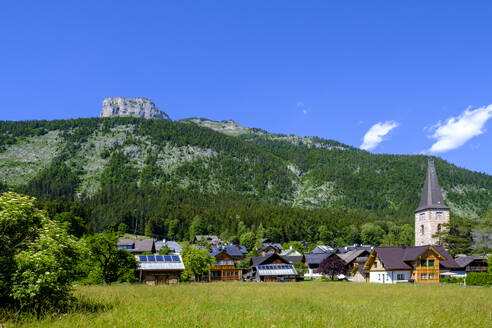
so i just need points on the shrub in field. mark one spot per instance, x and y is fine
(106, 263)
(196, 261)
(37, 256)
(478, 279)
(452, 280)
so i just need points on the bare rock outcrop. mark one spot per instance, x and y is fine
(136, 107)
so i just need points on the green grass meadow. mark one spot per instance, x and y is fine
(305, 304)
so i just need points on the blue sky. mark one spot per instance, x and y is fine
(396, 72)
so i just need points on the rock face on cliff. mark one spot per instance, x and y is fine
(136, 107)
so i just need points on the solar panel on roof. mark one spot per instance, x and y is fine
(143, 258)
(159, 258)
(175, 258)
(168, 258)
(151, 258)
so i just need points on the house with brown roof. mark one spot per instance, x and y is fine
(137, 245)
(226, 266)
(421, 264)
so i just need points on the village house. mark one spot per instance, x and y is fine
(467, 264)
(213, 240)
(312, 262)
(420, 264)
(137, 245)
(268, 249)
(322, 249)
(358, 272)
(272, 268)
(172, 245)
(226, 266)
(159, 269)
(350, 257)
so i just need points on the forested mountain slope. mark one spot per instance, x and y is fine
(125, 169)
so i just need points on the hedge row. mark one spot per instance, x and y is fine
(479, 279)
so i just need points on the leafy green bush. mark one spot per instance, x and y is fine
(452, 280)
(479, 279)
(38, 258)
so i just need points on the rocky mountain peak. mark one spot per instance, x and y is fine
(136, 107)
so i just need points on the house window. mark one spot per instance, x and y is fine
(431, 262)
(379, 277)
(431, 276)
(423, 262)
(439, 227)
(375, 265)
(439, 215)
(423, 276)
(422, 230)
(400, 276)
(422, 217)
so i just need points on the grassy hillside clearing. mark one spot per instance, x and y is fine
(307, 304)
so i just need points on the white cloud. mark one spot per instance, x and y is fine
(458, 130)
(376, 133)
(302, 106)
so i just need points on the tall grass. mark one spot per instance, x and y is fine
(308, 304)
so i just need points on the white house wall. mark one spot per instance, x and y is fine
(388, 277)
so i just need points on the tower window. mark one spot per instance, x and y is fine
(422, 230)
(422, 217)
(439, 215)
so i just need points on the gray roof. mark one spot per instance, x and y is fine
(316, 258)
(463, 261)
(174, 246)
(352, 255)
(293, 259)
(322, 249)
(232, 250)
(259, 260)
(431, 194)
(138, 245)
(210, 238)
(349, 248)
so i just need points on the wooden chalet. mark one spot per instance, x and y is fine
(350, 257)
(467, 264)
(272, 268)
(137, 245)
(159, 269)
(226, 263)
(420, 264)
(268, 249)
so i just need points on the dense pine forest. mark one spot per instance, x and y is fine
(158, 177)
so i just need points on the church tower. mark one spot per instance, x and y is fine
(432, 213)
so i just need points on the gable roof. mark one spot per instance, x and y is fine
(293, 259)
(449, 263)
(316, 258)
(322, 249)
(352, 255)
(231, 250)
(260, 260)
(394, 258)
(291, 252)
(431, 193)
(139, 245)
(266, 246)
